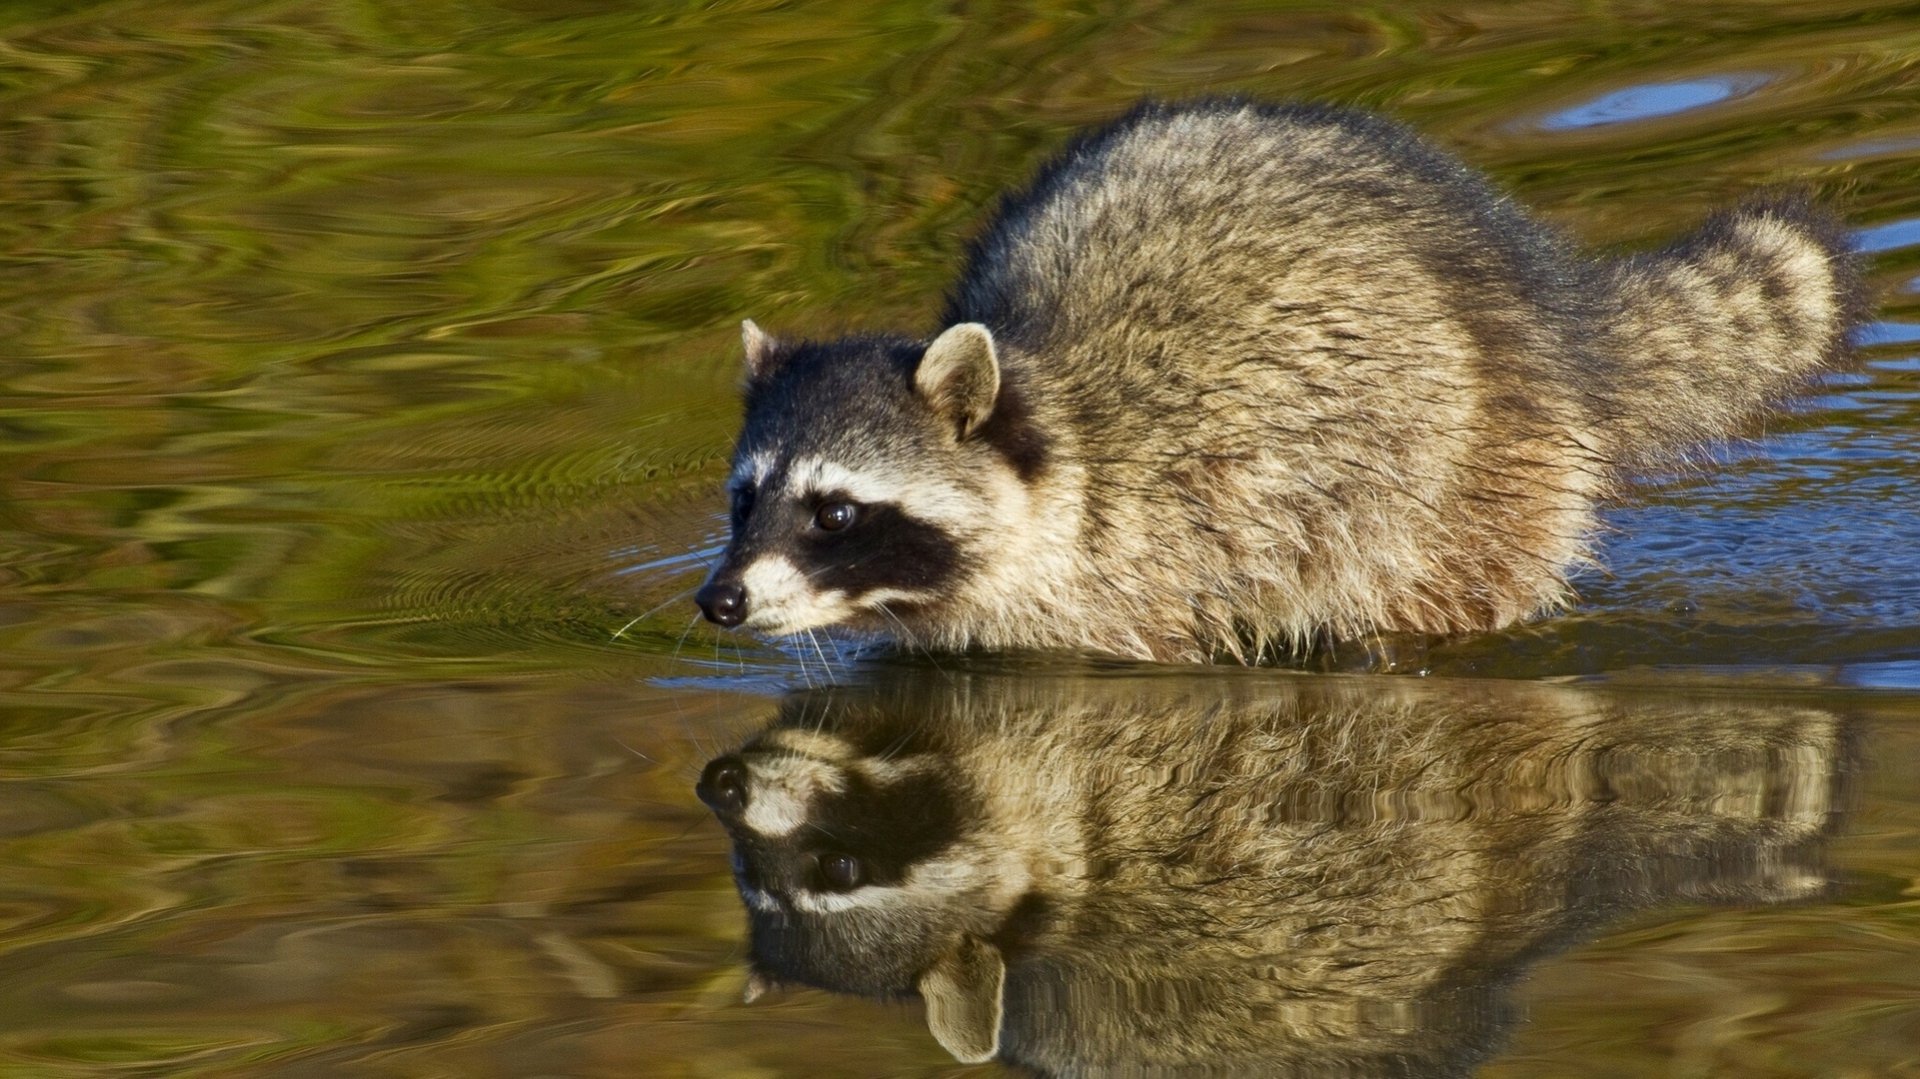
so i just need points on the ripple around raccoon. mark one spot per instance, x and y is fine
(1232, 377)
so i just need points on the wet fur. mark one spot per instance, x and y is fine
(1272, 375)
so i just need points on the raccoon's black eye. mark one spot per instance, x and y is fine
(842, 872)
(835, 516)
(742, 503)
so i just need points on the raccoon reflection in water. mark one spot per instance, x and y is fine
(1305, 877)
(1232, 378)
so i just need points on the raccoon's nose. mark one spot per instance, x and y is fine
(723, 786)
(723, 602)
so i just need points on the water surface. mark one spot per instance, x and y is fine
(368, 386)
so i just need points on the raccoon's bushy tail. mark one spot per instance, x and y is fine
(1712, 329)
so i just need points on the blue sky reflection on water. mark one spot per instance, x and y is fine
(1889, 235)
(1900, 674)
(1887, 333)
(1652, 100)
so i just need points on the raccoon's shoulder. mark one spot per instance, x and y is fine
(1250, 182)
(1227, 135)
(1185, 148)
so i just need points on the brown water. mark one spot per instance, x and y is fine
(367, 388)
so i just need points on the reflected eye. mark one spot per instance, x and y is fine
(842, 872)
(835, 516)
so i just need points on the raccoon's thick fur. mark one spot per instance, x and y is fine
(1233, 377)
(1312, 877)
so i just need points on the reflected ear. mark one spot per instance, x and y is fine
(960, 376)
(760, 348)
(964, 1008)
(757, 986)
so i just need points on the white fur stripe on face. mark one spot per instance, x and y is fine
(818, 744)
(928, 500)
(752, 470)
(759, 900)
(893, 595)
(781, 789)
(814, 476)
(858, 899)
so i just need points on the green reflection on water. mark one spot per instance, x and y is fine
(369, 366)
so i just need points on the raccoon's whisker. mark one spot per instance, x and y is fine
(681, 643)
(634, 751)
(918, 724)
(826, 667)
(709, 742)
(839, 648)
(907, 635)
(677, 597)
(816, 826)
(801, 641)
(685, 832)
(799, 657)
(739, 653)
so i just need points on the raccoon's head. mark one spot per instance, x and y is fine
(869, 478)
(862, 873)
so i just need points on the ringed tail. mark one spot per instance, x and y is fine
(1715, 327)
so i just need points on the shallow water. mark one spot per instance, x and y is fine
(368, 389)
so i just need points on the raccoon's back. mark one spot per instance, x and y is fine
(1203, 222)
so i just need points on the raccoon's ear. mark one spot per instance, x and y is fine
(758, 985)
(960, 376)
(964, 1008)
(761, 349)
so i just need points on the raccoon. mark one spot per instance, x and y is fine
(1132, 876)
(1231, 378)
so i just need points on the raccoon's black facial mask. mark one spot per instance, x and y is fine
(805, 825)
(879, 546)
(824, 856)
(824, 556)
